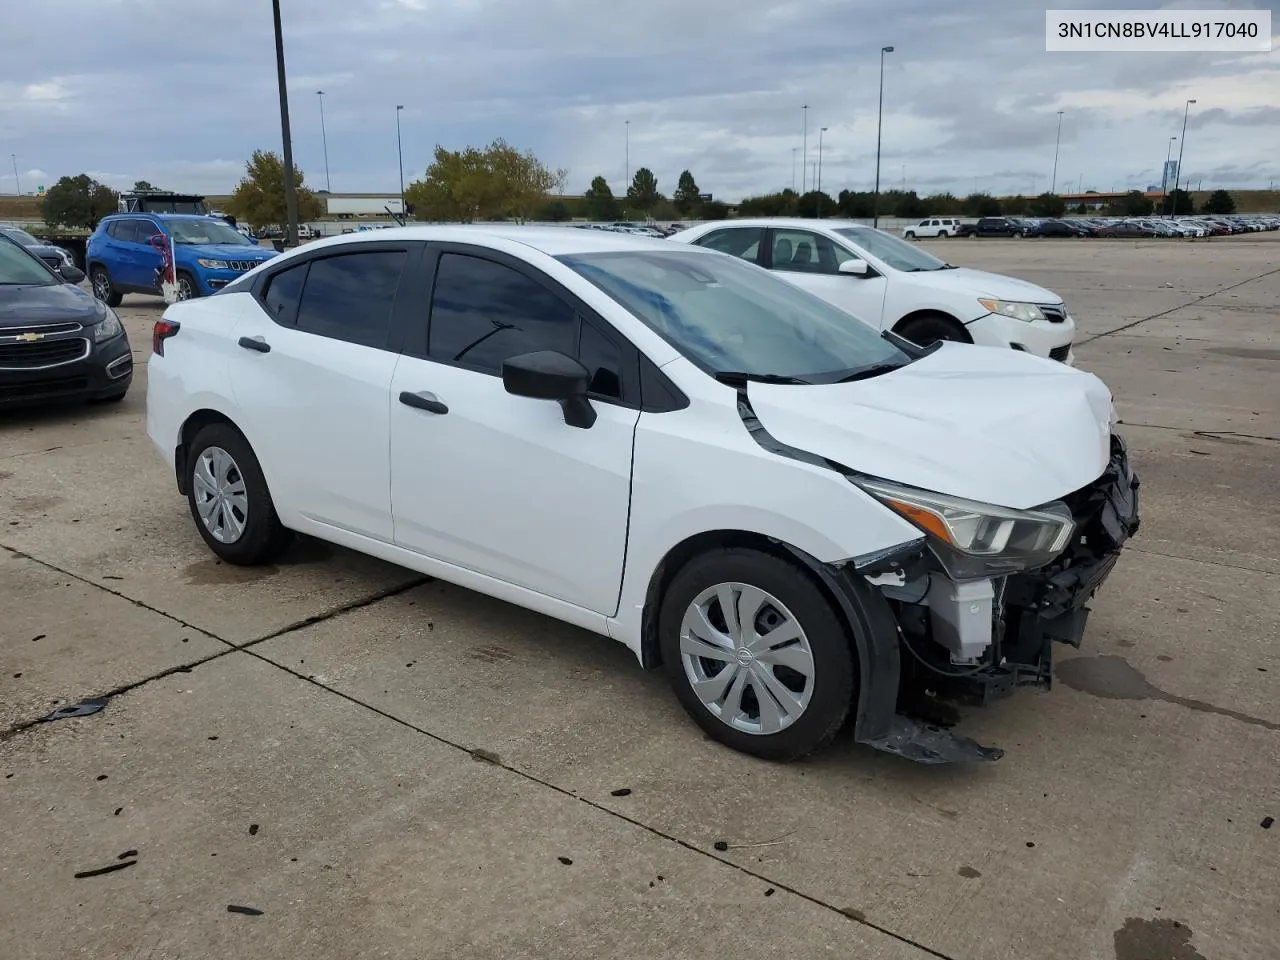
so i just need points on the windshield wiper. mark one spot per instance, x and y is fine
(733, 378)
(866, 373)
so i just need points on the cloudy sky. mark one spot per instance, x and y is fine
(179, 92)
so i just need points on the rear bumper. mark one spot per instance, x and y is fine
(105, 371)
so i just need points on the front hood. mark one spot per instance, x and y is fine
(225, 251)
(979, 283)
(996, 426)
(28, 305)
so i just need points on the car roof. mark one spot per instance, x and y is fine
(553, 241)
(162, 216)
(788, 222)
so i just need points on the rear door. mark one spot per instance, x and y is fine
(499, 484)
(318, 349)
(745, 243)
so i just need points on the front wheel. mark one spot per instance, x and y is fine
(187, 287)
(756, 654)
(931, 327)
(101, 283)
(229, 499)
(910, 234)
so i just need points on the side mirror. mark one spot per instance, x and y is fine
(70, 273)
(859, 268)
(548, 375)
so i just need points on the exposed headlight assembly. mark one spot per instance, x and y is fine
(212, 264)
(974, 540)
(1012, 308)
(108, 328)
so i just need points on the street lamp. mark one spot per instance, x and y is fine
(626, 170)
(1053, 184)
(325, 141)
(400, 156)
(804, 150)
(290, 195)
(875, 200)
(1177, 171)
(793, 169)
(17, 184)
(821, 131)
(1164, 174)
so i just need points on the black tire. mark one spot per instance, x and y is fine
(931, 327)
(263, 537)
(100, 281)
(834, 666)
(910, 235)
(188, 283)
(972, 234)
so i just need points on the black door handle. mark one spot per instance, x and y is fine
(250, 343)
(423, 400)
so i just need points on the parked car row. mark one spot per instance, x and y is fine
(1083, 226)
(669, 446)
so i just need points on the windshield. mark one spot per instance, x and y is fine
(19, 267)
(896, 253)
(18, 235)
(205, 231)
(730, 317)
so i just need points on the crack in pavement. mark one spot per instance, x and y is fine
(1212, 563)
(22, 725)
(1162, 313)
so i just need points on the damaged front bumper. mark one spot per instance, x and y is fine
(1031, 612)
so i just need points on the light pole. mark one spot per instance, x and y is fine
(793, 169)
(1182, 144)
(821, 131)
(1164, 174)
(290, 194)
(400, 156)
(17, 184)
(324, 140)
(875, 200)
(804, 149)
(1053, 184)
(626, 169)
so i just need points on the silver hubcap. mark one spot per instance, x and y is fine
(101, 285)
(184, 289)
(747, 658)
(221, 498)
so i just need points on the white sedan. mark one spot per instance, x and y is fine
(894, 285)
(665, 446)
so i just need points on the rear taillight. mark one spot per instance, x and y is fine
(162, 331)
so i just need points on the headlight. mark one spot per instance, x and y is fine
(974, 540)
(213, 264)
(108, 328)
(1011, 308)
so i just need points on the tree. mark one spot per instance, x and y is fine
(713, 210)
(1220, 201)
(1177, 202)
(77, 201)
(1015, 206)
(643, 193)
(941, 205)
(981, 205)
(144, 186)
(258, 199)
(601, 203)
(1135, 203)
(770, 205)
(815, 204)
(909, 206)
(1048, 205)
(555, 211)
(496, 183)
(856, 205)
(687, 196)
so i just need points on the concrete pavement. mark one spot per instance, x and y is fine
(388, 766)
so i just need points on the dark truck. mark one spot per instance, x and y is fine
(993, 227)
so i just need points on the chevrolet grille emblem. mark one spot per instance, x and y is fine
(28, 337)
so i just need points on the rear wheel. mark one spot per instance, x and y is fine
(929, 328)
(102, 289)
(756, 653)
(229, 499)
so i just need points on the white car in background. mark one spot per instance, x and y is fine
(890, 284)
(932, 227)
(662, 445)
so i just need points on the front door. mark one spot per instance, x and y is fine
(499, 484)
(811, 261)
(313, 358)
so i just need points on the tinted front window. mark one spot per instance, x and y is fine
(483, 313)
(727, 316)
(350, 296)
(802, 251)
(284, 290)
(19, 267)
(890, 250)
(206, 231)
(741, 242)
(603, 361)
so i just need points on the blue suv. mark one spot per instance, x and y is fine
(124, 255)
